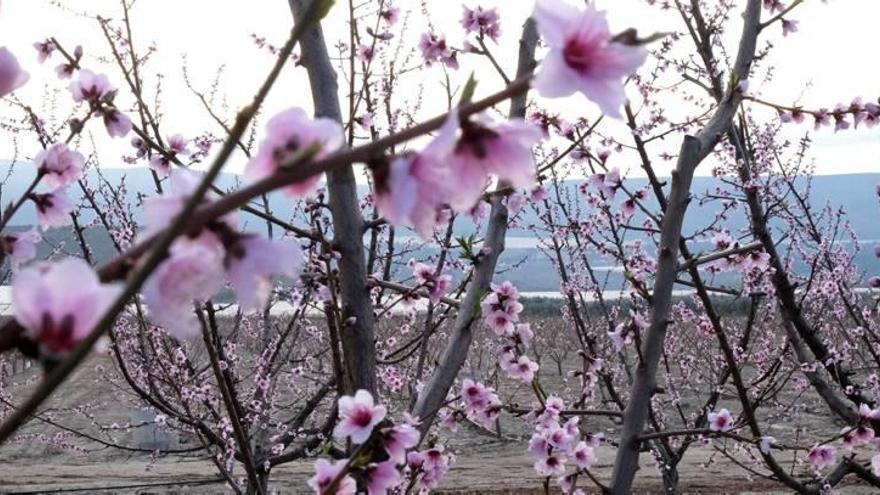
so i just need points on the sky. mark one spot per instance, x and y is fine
(821, 65)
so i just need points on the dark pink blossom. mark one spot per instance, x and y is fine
(720, 421)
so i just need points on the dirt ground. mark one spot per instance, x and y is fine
(484, 464)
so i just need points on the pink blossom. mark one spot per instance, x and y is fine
(501, 322)
(59, 303)
(628, 208)
(485, 147)
(789, 26)
(53, 208)
(90, 87)
(64, 70)
(390, 14)
(538, 194)
(539, 446)
(620, 336)
(21, 247)
(413, 188)
(524, 369)
(252, 261)
(44, 50)
(479, 211)
(552, 465)
(583, 55)
(822, 456)
(177, 145)
(381, 477)
(12, 76)
(434, 49)
(325, 472)
(398, 439)
(859, 435)
(758, 260)
(437, 285)
(523, 333)
(433, 464)
(720, 421)
(117, 123)
(192, 273)
(868, 414)
(365, 120)
(411, 192)
(558, 437)
(475, 395)
(357, 417)
(59, 165)
(514, 203)
(161, 165)
(365, 53)
(583, 455)
(287, 133)
(484, 22)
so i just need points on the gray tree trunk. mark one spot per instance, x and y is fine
(348, 225)
(455, 354)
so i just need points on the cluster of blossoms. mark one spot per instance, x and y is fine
(57, 165)
(435, 50)
(481, 403)
(624, 333)
(843, 116)
(601, 188)
(175, 149)
(436, 285)
(825, 455)
(482, 22)
(453, 170)
(198, 264)
(755, 260)
(555, 442)
(501, 309)
(53, 316)
(384, 446)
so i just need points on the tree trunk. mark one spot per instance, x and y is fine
(356, 329)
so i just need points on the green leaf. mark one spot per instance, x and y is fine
(467, 94)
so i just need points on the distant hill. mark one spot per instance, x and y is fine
(521, 263)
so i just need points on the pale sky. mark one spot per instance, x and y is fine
(823, 64)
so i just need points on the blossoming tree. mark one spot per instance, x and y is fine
(386, 347)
